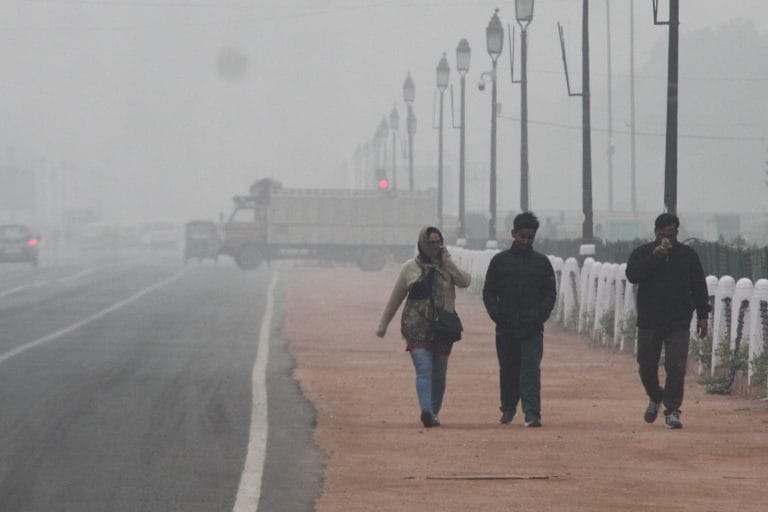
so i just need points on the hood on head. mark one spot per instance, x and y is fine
(425, 251)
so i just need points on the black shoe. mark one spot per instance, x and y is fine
(672, 420)
(507, 417)
(427, 419)
(435, 420)
(652, 412)
(532, 420)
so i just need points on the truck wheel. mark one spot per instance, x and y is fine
(249, 257)
(371, 260)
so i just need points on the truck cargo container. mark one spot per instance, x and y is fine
(367, 227)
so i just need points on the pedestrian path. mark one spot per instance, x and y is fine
(594, 452)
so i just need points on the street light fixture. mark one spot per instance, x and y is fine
(394, 124)
(443, 75)
(524, 15)
(409, 90)
(524, 11)
(409, 94)
(463, 54)
(494, 38)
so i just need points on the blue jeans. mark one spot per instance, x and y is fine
(430, 378)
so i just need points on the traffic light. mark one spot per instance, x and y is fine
(382, 182)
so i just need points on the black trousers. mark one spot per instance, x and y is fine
(675, 343)
(520, 372)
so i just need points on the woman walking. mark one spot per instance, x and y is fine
(428, 281)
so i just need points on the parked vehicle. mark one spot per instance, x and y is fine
(201, 240)
(368, 227)
(18, 244)
(161, 235)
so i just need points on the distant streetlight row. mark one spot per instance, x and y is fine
(494, 47)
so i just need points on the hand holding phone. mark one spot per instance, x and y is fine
(663, 248)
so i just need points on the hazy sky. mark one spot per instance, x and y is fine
(169, 107)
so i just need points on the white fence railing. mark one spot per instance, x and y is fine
(597, 299)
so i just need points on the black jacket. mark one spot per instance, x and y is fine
(669, 287)
(519, 291)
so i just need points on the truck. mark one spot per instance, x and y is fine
(366, 227)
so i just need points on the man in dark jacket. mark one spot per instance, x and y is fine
(519, 294)
(671, 285)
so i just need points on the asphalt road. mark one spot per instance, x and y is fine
(126, 385)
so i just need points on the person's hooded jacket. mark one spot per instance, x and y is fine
(414, 324)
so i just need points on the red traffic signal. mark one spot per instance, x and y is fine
(383, 184)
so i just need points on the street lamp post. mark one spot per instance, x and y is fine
(411, 133)
(366, 164)
(409, 94)
(494, 38)
(524, 15)
(394, 124)
(379, 145)
(383, 137)
(443, 74)
(463, 54)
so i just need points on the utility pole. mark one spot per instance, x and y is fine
(586, 139)
(670, 158)
(587, 231)
(610, 108)
(632, 157)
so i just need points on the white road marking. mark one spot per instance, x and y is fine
(249, 490)
(18, 289)
(37, 284)
(77, 276)
(114, 307)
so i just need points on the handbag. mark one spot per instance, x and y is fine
(446, 325)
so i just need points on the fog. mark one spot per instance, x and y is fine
(144, 109)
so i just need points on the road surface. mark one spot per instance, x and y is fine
(127, 383)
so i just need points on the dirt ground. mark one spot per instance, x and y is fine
(594, 452)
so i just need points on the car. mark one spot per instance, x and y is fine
(18, 244)
(161, 235)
